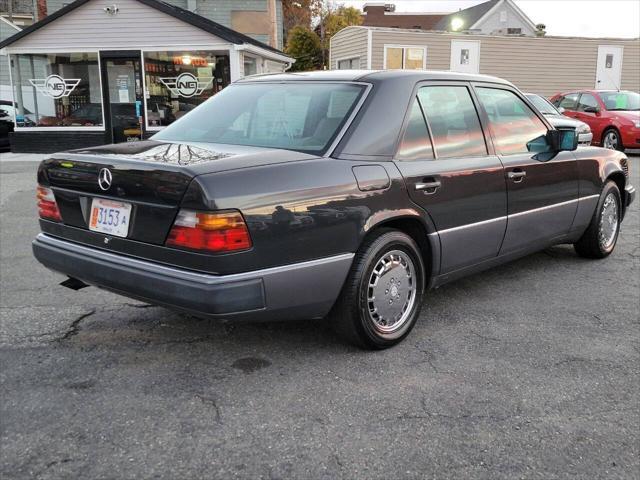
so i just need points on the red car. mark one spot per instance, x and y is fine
(614, 116)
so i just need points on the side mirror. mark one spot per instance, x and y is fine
(562, 140)
(591, 109)
(561, 109)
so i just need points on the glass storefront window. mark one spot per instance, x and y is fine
(177, 82)
(57, 90)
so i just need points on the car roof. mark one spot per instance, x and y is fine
(371, 76)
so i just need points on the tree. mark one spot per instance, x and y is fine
(299, 13)
(332, 20)
(342, 17)
(303, 44)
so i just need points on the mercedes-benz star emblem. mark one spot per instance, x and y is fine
(104, 179)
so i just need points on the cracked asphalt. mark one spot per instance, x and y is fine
(530, 370)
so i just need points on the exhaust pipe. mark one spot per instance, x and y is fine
(73, 283)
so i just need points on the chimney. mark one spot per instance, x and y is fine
(41, 10)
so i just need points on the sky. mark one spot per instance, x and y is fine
(583, 18)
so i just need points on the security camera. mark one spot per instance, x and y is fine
(111, 10)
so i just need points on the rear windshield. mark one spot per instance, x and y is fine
(295, 116)
(541, 104)
(621, 100)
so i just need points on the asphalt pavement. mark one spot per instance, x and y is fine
(529, 370)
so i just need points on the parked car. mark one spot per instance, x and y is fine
(614, 116)
(409, 180)
(561, 121)
(7, 115)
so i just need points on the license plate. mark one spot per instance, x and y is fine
(110, 217)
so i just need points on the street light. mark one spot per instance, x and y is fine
(456, 24)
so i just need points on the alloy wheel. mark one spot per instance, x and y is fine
(391, 291)
(611, 140)
(608, 228)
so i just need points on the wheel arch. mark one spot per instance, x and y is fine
(606, 129)
(421, 229)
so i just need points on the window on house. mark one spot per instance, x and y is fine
(349, 64)
(250, 65)
(57, 90)
(178, 81)
(407, 58)
(514, 31)
(608, 61)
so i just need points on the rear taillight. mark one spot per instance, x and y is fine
(213, 232)
(47, 207)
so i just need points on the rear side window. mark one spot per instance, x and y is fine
(415, 144)
(570, 102)
(453, 120)
(513, 124)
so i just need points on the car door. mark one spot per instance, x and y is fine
(589, 111)
(569, 103)
(542, 188)
(455, 178)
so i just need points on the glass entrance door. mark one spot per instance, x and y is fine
(124, 94)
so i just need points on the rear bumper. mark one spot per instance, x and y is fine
(301, 290)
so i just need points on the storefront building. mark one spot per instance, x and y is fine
(96, 72)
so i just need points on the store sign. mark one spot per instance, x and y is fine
(186, 84)
(55, 86)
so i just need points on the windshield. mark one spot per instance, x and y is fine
(543, 105)
(620, 100)
(294, 116)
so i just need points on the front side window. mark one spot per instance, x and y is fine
(513, 124)
(570, 102)
(407, 58)
(177, 82)
(294, 116)
(415, 143)
(453, 120)
(587, 101)
(57, 90)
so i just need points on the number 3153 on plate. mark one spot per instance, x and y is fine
(110, 217)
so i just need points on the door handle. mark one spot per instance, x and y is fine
(517, 175)
(428, 185)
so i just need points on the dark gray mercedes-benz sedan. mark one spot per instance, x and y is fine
(344, 194)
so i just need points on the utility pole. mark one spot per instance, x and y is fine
(273, 23)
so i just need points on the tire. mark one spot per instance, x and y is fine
(611, 139)
(597, 244)
(392, 260)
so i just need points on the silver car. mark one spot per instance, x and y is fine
(558, 120)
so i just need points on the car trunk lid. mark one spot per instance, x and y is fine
(150, 176)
